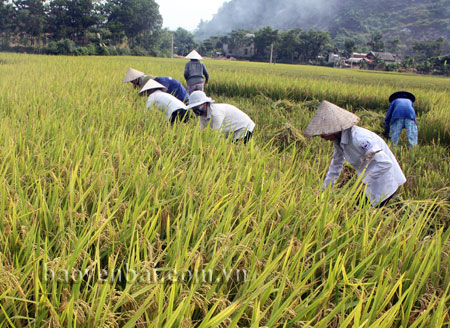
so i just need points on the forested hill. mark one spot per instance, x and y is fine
(407, 20)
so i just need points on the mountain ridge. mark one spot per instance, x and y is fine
(408, 21)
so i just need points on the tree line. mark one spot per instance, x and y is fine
(84, 26)
(134, 27)
(313, 47)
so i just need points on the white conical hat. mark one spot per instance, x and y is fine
(193, 55)
(152, 84)
(132, 75)
(328, 119)
(197, 98)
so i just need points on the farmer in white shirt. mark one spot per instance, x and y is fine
(226, 118)
(173, 108)
(363, 149)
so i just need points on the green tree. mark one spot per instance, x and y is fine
(71, 18)
(408, 62)
(139, 20)
(375, 42)
(239, 38)
(7, 14)
(427, 49)
(208, 46)
(264, 38)
(183, 41)
(349, 47)
(377, 63)
(312, 43)
(393, 45)
(165, 43)
(288, 45)
(30, 17)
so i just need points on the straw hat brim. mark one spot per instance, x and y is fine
(151, 85)
(132, 75)
(329, 119)
(194, 55)
(198, 103)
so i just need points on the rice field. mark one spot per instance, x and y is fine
(110, 217)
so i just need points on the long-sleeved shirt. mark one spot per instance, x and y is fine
(165, 102)
(194, 72)
(174, 87)
(228, 119)
(399, 108)
(371, 156)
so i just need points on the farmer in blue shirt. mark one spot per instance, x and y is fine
(401, 115)
(174, 87)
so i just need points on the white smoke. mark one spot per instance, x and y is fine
(280, 14)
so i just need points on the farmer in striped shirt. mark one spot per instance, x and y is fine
(194, 72)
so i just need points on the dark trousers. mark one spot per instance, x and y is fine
(245, 138)
(384, 202)
(180, 115)
(364, 200)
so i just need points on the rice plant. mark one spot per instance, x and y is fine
(112, 217)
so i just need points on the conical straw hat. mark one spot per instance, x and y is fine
(152, 84)
(193, 55)
(198, 98)
(132, 75)
(328, 119)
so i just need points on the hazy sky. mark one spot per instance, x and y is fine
(187, 13)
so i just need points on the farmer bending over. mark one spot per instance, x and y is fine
(174, 87)
(223, 117)
(173, 108)
(363, 149)
(401, 115)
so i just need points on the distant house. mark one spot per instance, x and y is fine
(355, 59)
(358, 55)
(333, 58)
(245, 51)
(369, 60)
(387, 57)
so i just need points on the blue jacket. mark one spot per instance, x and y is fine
(174, 87)
(399, 108)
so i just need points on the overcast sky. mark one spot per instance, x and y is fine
(187, 13)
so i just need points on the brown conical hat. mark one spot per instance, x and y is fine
(193, 55)
(152, 84)
(328, 119)
(132, 75)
